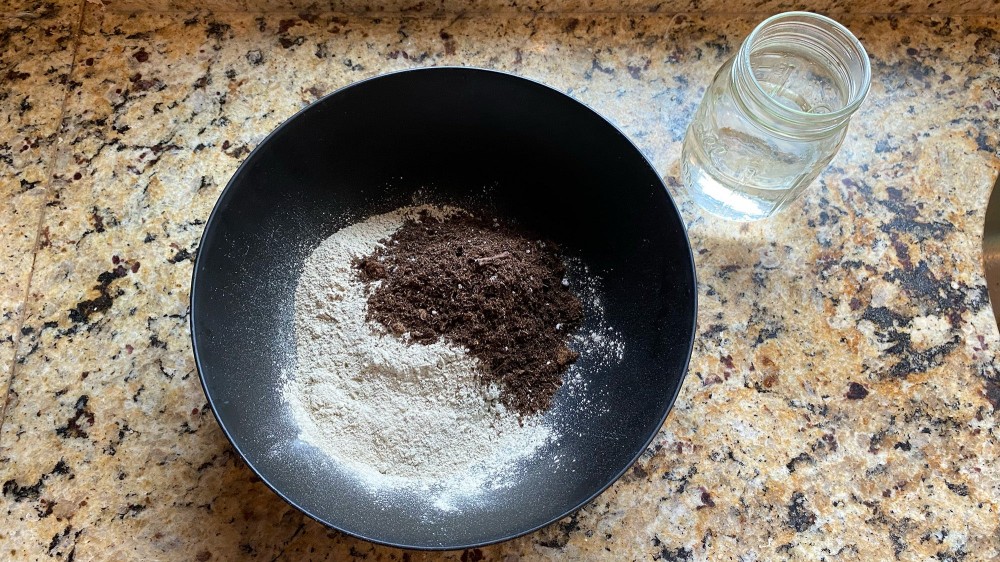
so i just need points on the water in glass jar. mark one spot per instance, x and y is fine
(770, 121)
(733, 177)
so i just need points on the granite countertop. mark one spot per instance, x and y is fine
(844, 392)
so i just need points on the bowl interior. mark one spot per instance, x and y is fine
(477, 139)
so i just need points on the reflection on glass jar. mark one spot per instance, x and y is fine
(774, 115)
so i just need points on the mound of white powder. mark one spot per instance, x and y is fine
(395, 414)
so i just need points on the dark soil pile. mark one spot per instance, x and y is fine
(487, 287)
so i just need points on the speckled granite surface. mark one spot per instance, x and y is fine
(35, 55)
(845, 388)
(838, 7)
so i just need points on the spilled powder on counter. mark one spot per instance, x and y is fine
(396, 414)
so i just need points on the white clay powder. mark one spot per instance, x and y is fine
(394, 414)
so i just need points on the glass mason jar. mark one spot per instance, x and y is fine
(774, 116)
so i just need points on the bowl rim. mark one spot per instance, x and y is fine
(211, 221)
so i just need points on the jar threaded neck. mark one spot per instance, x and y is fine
(810, 43)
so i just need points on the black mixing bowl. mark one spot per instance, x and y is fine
(472, 138)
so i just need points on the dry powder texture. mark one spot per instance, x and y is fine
(395, 414)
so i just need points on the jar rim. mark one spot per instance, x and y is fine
(837, 28)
